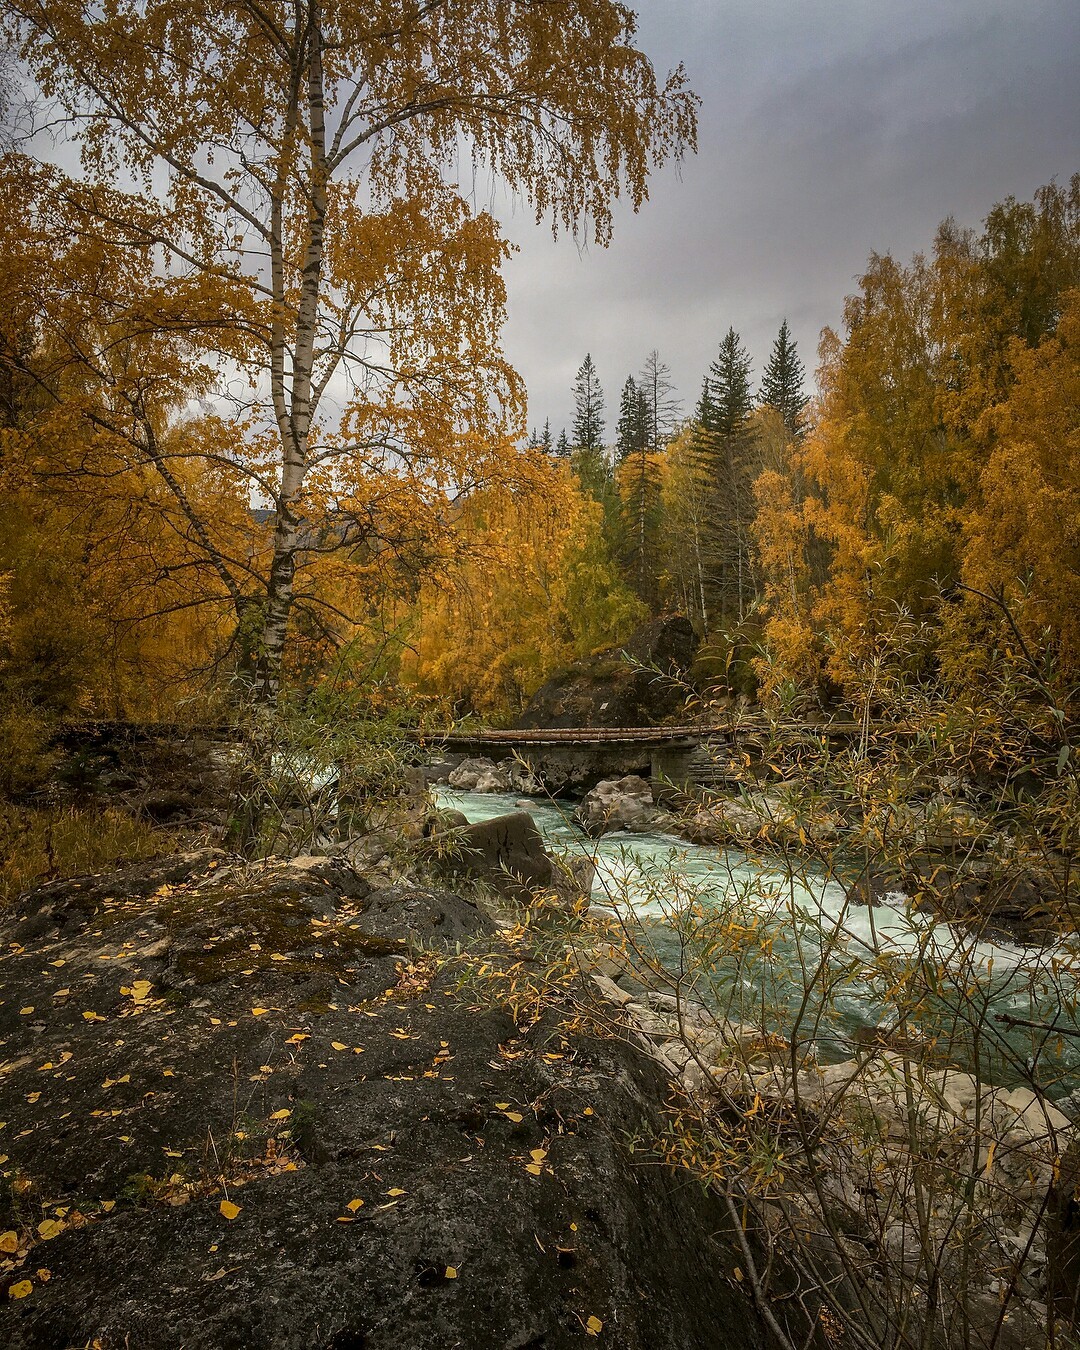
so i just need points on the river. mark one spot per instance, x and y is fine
(791, 952)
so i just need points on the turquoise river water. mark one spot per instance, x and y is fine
(790, 951)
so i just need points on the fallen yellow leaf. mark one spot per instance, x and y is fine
(228, 1210)
(396, 1190)
(44, 1275)
(108, 1206)
(593, 1327)
(283, 1114)
(25, 1012)
(354, 1205)
(49, 1229)
(338, 1045)
(9, 1242)
(20, 1289)
(451, 1272)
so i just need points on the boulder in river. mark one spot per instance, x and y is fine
(619, 804)
(507, 853)
(479, 775)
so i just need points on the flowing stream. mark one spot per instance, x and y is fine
(789, 950)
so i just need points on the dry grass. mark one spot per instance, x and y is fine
(40, 844)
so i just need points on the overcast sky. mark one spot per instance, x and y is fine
(828, 128)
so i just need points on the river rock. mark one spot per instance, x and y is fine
(618, 804)
(520, 777)
(507, 853)
(478, 775)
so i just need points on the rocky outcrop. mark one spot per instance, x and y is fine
(254, 1110)
(639, 684)
(620, 804)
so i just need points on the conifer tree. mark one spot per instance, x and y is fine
(662, 406)
(724, 449)
(545, 439)
(562, 445)
(632, 428)
(588, 407)
(782, 383)
(639, 490)
(729, 386)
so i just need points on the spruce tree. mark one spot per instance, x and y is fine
(562, 445)
(632, 428)
(588, 406)
(729, 386)
(545, 440)
(724, 447)
(782, 383)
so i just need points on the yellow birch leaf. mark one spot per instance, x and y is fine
(228, 1210)
(451, 1272)
(283, 1114)
(9, 1242)
(338, 1045)
(20, 1289)
(593, 1327)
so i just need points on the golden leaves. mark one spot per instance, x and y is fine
(20, 1289)
(228, 1210)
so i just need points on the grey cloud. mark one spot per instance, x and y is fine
(827, 130)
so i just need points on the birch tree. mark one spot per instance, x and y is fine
(291, 168)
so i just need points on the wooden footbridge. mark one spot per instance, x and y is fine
(702, 755)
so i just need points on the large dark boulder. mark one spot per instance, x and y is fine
(251, 1111)
(638, 684)
(506, 853)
